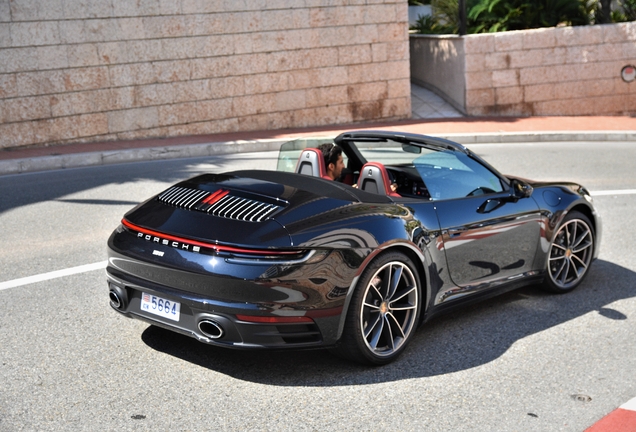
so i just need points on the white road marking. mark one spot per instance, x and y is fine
(629, 405)
(52, 275)
(101, 265)
(614, 192)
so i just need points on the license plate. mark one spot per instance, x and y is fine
(160, 306)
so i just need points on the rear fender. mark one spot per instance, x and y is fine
(406, 247)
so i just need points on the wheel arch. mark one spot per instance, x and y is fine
(418, 259)
(425, 286)
(582, 208)
(568, 273)
(595, 219)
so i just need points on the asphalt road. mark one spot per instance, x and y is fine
(525, 361)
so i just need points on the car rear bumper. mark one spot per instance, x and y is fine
(218, 323)
(232, 303)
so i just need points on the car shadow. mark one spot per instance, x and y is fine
(457, 341)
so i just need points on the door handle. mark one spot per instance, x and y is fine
(490, 205)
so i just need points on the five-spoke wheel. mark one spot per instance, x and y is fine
(570, 253)
(384, 311)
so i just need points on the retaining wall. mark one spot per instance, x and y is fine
(90, 70)
(551, 71)
(438, 63)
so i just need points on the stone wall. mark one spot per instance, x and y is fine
(551, 71)
(438, 63)
(90, 70)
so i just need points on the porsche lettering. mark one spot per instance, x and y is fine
(165, 242)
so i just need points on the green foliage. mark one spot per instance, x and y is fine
(427, 24)
(629, 8)
(486, 16)
(602, 12)
(445, 18)
(502, 15)
(443, 21)
(625, 12)
(489, 16)
(446, 12)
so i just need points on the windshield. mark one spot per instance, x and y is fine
(446, 174)
(419, 170)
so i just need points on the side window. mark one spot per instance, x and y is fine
(451, 175)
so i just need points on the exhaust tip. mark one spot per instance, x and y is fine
(115, 301)
(118, 297)
(211, 329)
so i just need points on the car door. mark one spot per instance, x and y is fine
(490, 234)
(488, 247)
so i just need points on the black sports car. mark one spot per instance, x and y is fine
(278, 259)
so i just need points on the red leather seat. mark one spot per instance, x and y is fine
(375, 178)
(311, 162)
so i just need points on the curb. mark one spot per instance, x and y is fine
(108, 157)
(533, 137)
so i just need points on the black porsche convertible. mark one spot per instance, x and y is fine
(288, 259)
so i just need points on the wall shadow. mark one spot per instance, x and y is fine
(463, 339)
(31, 188)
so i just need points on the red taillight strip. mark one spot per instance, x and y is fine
(274, 320)
(218, 248)
(216, 196)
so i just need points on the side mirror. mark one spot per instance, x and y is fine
(520, 189)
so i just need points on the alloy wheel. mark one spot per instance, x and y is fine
(571, 253)
(389, 309)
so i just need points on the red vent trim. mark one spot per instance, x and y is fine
(216, 196)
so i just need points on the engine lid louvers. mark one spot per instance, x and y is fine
(182, 197)
(221, 203)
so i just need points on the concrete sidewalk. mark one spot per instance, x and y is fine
(465, 130)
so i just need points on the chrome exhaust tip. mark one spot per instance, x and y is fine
(210, 328)
(115, 301)
(118, 297)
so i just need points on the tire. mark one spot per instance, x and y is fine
(384, 311)
(570, 254)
